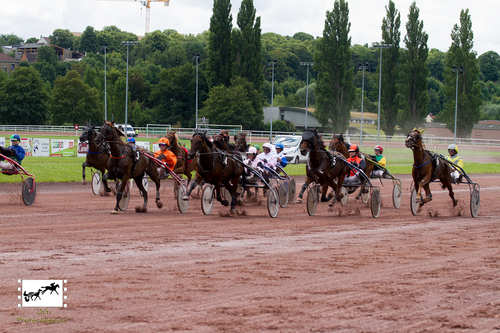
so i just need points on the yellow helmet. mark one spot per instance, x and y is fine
(453, 147)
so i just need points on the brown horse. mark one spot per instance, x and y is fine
(181, 166)
(97, 156)
(426, 168)
(324, 168)
(214, 168)
(124, 165)
(240, 142)
(338, 144)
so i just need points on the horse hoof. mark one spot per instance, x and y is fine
(140, 209)
(225, 202)
(299, 200)
(159, 204)
(232, 212)
(84, 182)
(239, 203)
(330, 209)
(185, 198)
(419, 210)
(114, 211)
(455, 203)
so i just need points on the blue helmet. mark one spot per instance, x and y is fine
(131, 139)
(279, 145)
(15, 137)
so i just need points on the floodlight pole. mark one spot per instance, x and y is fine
(381, 46)
(461, 71)
(126, 86)
(307, 64)
(273, 63)
(360, 66)
(105, 46)
(197, 58)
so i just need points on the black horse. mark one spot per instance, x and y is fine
(126, 163)
(214, 167)
(97, 157)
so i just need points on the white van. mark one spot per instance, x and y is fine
(130, 130)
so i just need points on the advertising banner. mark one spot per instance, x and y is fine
(41, 147)
(142, 144)
(61, 147)
(2, 142)
(27, 144)
(83, 148)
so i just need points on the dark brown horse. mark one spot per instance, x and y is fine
(214, 167)
(181, 166)
(240, 142)
(124, 165)
(338, 144)
(97, 156)
(426, 168)
(324, 168)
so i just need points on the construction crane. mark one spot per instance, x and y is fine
(146, 4)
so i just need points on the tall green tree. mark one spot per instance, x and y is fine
(46, 62)
(414, 72)
(489, 63)
(435, 64)
(234, 105)
(10, 39)
(335, 90)
(23, 99)
(63, 38)
(460, 54)
(219, 45)
(74, 101)
(389, 94)
(246, 49)
(88, 42)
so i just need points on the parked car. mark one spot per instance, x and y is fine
(130, 130)
(291, 144)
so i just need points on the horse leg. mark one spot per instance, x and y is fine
(119, 193)
(105, 180)
(428, 194)
(301, 193)
(451, 194)
(144, 194)
(191, 188)
(84, 164)
(219, 197)
(324, 189)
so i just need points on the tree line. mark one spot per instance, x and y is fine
(233, 68)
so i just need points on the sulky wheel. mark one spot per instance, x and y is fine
(29, 191)
(96, 182)
(292, 190)
(283, 193)
(474, 200)
(396, 195)
(207, 199)
(273, 202)
(413, 201)
(123, 204)
(182, 204)
(345, 192)
(375, 204)
(226, 194)
(312, 199)
(365, 193)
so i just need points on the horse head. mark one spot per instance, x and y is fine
(240, 141)
(414, 139)
(173, 138)
(199, 141)
(338, 144)
(310, 141)
(88, 134)
(108, 132)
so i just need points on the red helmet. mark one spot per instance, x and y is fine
(379, 148)
(353, 148)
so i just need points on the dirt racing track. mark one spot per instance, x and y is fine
(339, 270)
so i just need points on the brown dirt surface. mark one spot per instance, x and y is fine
(335, 271)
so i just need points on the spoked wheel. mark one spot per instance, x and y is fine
(292, 190)
(396, 195)
(413, 201)
(29, 191)
(474, 200)
(345, 192)
(96, 182)
(207, 199)
(123, 204)
(312, 199)
(283, 193)
(273, 202)
(365, 193)
(182, 204)
(375, 202)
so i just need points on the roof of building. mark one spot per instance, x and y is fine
(7, 58)
(29, 57)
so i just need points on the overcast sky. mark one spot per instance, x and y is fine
(32, 18)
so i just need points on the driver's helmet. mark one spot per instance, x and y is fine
(279, 145)
(267, 145)
(15, 137)
(256, 147)
(453, 147)
(165, 141)
(378, 147)
(353, 148)
(252, 150)
(131, 139)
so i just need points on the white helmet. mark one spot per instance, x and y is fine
(453, 147)
(252, 150)
(267, 145)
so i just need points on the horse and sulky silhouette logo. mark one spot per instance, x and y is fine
(42, 293)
